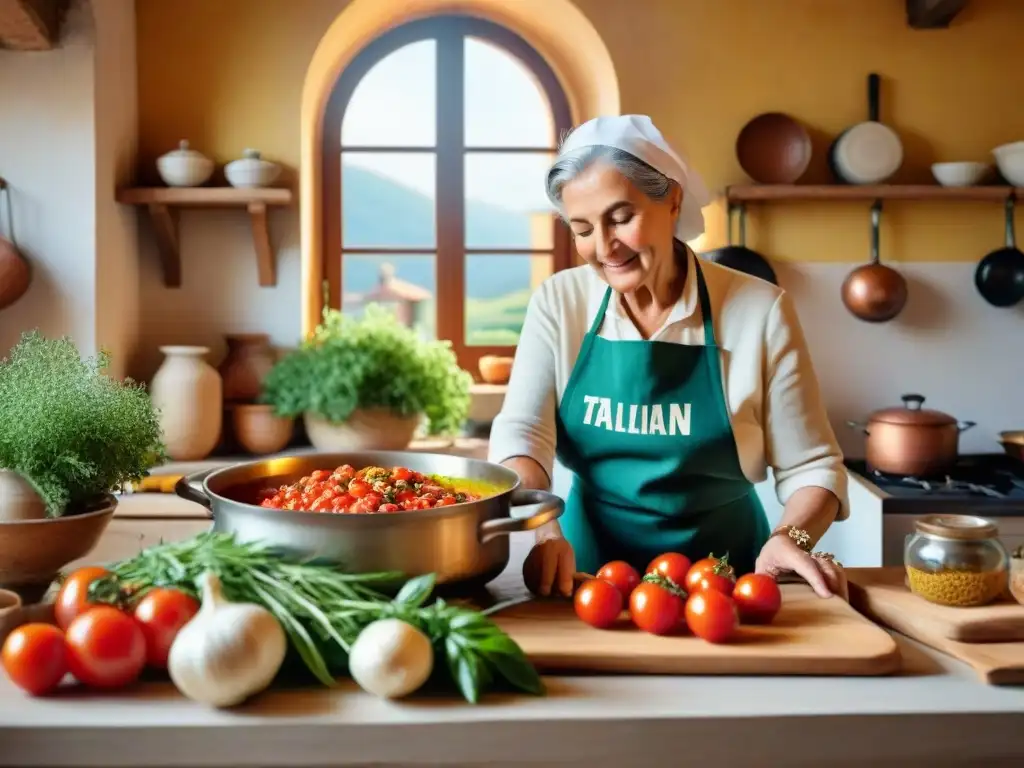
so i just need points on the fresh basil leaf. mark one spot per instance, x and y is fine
(415, 591)
(499, 644)
(518, 671)
(467, 678)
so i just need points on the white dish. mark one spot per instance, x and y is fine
(1010, 160)
(961, 174)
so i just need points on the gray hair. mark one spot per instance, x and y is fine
(648, 180)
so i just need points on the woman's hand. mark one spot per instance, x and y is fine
(780, 555)
(550, 566)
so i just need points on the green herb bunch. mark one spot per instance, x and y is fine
(370, 362)
(70, 430)
(323, 610)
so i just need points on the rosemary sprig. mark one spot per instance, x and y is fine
(323, 610)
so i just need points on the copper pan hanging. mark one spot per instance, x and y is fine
(15, 274)
(875, 293)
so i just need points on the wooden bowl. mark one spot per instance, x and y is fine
(773, 148)
(495, 369)
(32, 552)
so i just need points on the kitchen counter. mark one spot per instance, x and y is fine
(934, 712)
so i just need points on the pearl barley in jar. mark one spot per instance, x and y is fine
(956, 560)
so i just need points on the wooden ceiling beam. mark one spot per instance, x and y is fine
(31, 25)
(933, 14)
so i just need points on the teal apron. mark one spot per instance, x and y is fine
(644, 428)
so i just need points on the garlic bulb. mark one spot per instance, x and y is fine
(228, 651)
(391, 658)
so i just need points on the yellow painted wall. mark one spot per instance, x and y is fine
(228, 74)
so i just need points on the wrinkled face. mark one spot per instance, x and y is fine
(621, 232)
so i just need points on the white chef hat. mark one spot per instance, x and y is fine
(637, 135)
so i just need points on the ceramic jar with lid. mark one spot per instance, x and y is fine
(184, 167)
(956, 560)
(251, 171)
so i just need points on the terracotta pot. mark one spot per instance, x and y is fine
(364, 430)
(912, 440)
(250, 358)
(495, 369)
(188, 393)
(18, 499)
(258, 430)
(32, 552)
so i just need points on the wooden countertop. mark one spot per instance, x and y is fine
(935, 712)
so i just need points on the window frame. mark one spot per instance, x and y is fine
(450, 150)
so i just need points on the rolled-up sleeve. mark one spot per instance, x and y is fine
(526, 424)
(801, 446)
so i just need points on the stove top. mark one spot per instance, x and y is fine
(992, 483)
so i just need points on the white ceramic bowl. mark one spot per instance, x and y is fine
(959, 174)
(1010, 160)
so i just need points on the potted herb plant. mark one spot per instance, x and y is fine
(71, 435)
(369, 384)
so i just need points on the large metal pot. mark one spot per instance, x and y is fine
(465, 544)
(912, 440)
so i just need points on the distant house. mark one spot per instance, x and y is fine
(405, 299)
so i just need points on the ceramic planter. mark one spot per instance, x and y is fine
(258, 430)
(364, 430)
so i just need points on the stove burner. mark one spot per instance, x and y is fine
(947, 486)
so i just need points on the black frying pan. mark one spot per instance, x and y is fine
(739, 257)
(999, 276)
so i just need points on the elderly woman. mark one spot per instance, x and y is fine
(666, 385)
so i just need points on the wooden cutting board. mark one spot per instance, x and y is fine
(995, 663)
(810, 636)
(895, 605)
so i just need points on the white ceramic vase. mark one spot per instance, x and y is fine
(364, 430)
(189, 395)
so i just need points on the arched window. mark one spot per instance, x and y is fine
(436, 140)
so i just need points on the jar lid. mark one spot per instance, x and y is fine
(912, 413)
(961, 527)
(184, 150)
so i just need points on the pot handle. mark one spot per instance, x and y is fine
(190, 488)
(859, 426)
(552, 507)
(963, 426)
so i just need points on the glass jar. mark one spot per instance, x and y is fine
(956, 560)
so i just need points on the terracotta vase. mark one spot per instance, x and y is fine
(18, 499)
(250, 358)
(189, 395)
(258, 430)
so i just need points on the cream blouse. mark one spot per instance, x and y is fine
(771, 390)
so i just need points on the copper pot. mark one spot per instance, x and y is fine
(912, 440)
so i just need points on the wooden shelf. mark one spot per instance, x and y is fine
(163, 202)
(751, 193)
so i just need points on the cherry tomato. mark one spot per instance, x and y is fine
(106, 648)
(622, 575)
(757, 597)
(672, 566)
(35, 657)
(711, 573)
(655, 609)
(73, 597)
(712, 616)
(161, 614)
(598, 603)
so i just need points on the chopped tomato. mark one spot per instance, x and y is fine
(672, 566)
(757, 597)
(711, 573)
(371, 490)
(712, 616)
(656, 605)
(598, 603)
(35, 657)
(621, 575)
